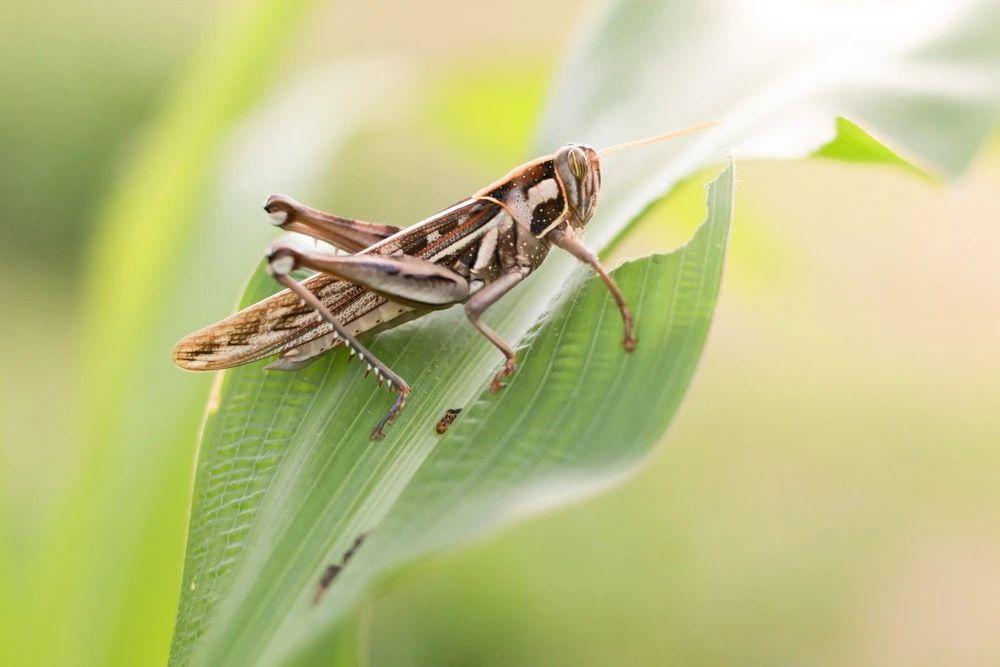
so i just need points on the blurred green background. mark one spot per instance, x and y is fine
(829, 491)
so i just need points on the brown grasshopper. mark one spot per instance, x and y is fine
(472, 253)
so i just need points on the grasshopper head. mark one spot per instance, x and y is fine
(578, 170)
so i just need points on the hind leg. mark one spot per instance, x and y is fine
(280, 266)
(349, 235)
(406, 279)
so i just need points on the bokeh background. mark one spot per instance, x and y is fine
(827, 494)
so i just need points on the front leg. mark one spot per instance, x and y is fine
(483, 299)
(565, 237)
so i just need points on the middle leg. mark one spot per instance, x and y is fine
(477, 305)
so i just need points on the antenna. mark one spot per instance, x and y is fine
(660, 137)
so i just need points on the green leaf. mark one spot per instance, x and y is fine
(287, 478)
(852, 144)
(577, 415)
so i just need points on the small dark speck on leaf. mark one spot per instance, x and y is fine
(446, 421)
(332, 570)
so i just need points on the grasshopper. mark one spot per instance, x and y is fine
(471, 253)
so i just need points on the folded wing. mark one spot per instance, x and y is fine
(282, 322)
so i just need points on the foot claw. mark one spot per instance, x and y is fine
(508, 369)
(629, 344)
(378, 433)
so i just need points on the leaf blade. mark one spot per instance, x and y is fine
(278, 585)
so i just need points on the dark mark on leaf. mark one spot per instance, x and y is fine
(334, 569)
(446, 421)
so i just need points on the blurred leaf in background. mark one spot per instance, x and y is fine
(133, 426)
(73, 97)
(81, 79)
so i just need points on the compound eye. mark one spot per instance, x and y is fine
(578, 163)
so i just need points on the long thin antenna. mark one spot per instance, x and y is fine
(661, 137)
